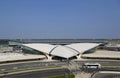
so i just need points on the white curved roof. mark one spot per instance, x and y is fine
(63, 51)
(45, 48)
(66, 51)
(82, 47)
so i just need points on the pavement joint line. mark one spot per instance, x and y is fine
(55, 60)
(115, 72)
(112, 66)
(31, 68)
(26, 62)
(2, 74)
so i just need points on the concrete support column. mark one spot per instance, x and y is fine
(49, 57)
(79, 56)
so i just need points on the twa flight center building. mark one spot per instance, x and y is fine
(46, 51)
(71, 51)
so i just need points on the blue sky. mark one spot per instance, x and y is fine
(59, 19)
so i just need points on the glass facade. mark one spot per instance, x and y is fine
(90, 51)
(28, 50)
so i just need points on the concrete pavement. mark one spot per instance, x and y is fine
(107, 74)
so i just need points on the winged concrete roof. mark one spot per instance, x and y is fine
(66, 51)
(82, 47)
(45, 48)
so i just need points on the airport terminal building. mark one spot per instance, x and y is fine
(55, 51)
(60, 51)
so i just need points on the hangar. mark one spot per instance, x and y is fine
(63, 51)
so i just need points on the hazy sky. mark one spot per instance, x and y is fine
(59, 19)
